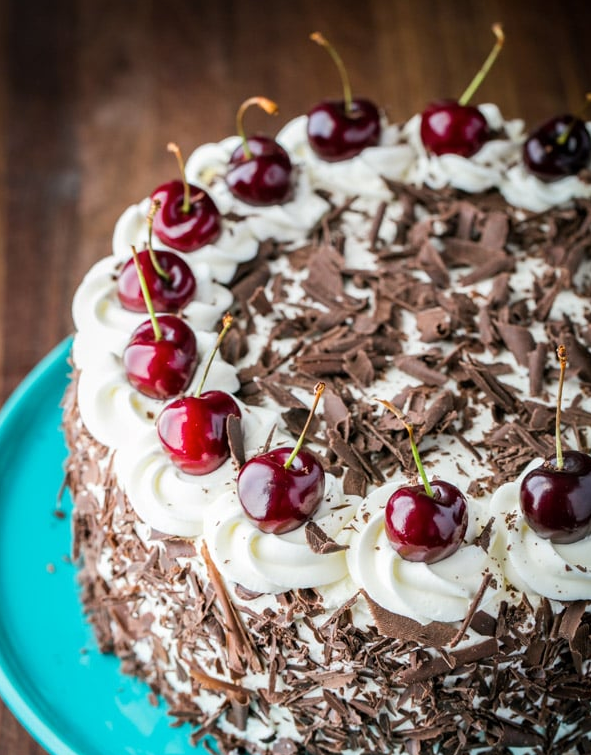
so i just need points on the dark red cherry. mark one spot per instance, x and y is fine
(259, 169)
(450, 128)
(193, 431)
(169, 294)
(161, 367)
(185, 226)
(264, 178)
(556, 503)
(277, 499)
(559, 147)
(341, 129)
(426, 528)
(454, 126)
(336, 133)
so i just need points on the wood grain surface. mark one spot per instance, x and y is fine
(91, 92)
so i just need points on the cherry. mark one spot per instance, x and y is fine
(161, 356)
(555, 497)
(559, 147)
(341, 129)
(188, 217)
(169, 279)
(260, 169)
(281, 489)
(453, 126)
(425, 522)
(193, 429)
(425, 526)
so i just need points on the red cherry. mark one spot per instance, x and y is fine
(424, 527)
(454, 127)
(193, 429)
(277, 499)
(559, 147)
(448, 127)
(185, 230)
(556, 502)
(259, 169)
(336, 133)
(264, 178)
(169, 294)
(188, 217)
(555, 498)
(281, 489)
(341, 129)
(161, 367)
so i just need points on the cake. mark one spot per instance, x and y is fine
(442, 284)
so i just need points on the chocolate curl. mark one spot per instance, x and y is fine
(240, 651)
(234, 691)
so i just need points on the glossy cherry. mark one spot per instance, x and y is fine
(188, 217)
(558, 148)
(341, 129)
(281, 489)
(424, 522)
(170, 281)
(260, 171)
(161, 367)
(453, 126)
(556, 502)
(555, 497)
(193, 429)
(423, 527)
(161, 355)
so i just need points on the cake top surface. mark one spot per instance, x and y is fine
(441, 284)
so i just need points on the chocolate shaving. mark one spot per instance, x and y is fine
(320, 542)
(436, 634)
(235, 440)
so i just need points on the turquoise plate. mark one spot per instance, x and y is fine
(72, 699)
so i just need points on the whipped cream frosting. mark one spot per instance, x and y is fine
(192, 506)
(264, 562)
(534, 564)
(442, 591)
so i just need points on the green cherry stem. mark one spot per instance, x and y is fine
(175, 149)
(486, 66)
(563, 138)
(226, 325)
(265, 104)
(154, 207)
(318, 391)
(562, 358)
(146, 295)
(413, 446)
(321, 40)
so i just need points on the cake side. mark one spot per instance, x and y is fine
(286, 675)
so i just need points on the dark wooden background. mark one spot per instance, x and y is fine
(91, 92)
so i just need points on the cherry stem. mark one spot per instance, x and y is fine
(413, 446)
(175, 149)
(146, 295)
(562, 358)
(486, 66)
(323, 42)
(318, 391)
(227, 324)
(563, 138)
(154, 207)
(265, 104)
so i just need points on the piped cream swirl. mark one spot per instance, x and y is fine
(535, 564)
(274, 563)
(442, 591)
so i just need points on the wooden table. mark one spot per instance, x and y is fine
(93, 91)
